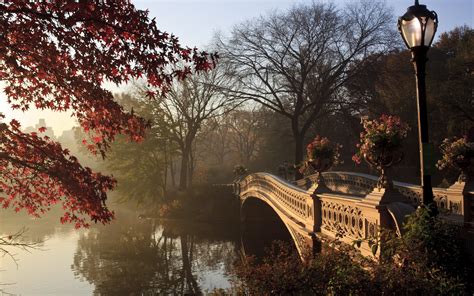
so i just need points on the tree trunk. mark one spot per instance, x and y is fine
(298, 154)
(191, 166)
(172, 172)
(186, 160)
(299, 138)
(165, 177)
(183, 176)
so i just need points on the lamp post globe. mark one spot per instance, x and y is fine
(418, 27)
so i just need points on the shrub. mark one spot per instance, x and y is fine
(283, 273)
(427, 260)
(170, 209)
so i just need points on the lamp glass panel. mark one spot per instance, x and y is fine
(429, 31)
(411, 31)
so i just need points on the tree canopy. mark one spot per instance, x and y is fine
(56, 55)
(296, 62)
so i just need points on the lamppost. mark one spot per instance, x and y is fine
(418, 27)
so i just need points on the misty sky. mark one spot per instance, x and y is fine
(196, 21)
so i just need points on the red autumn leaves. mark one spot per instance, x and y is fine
(56, 56)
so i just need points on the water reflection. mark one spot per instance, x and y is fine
(144, 257)
(131, 256)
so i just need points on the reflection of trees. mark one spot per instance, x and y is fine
(138, 257)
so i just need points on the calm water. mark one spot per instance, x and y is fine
(132, 256)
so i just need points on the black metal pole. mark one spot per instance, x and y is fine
(419, 55)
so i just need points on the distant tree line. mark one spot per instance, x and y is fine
(281, 79)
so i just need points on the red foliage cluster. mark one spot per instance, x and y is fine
(56, 55)
(37, 173)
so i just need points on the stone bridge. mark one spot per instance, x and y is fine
(347, 206)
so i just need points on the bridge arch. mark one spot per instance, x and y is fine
(294, 221)
(260, 226)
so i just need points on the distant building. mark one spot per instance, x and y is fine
(41, 123)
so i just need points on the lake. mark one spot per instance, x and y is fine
(132, 255)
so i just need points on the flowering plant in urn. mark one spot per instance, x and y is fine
(321, 154)
(458, 153)
(381, 144)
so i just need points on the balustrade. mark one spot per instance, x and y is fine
(448, 200)
(353, 210)
(342, 216)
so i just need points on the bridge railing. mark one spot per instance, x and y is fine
(454, 199)
(342, 216)
(351, 209)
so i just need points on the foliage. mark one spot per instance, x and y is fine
(171, 209)
(386, 86)
(56, 55)
(321, 154)
(431, 240)
(37, 173)
(283, 273)
(141, 168)
(450, 82)
(457, 153)
(427, 260)
(381, 141)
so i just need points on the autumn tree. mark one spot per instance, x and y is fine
(295, 62)
(56, 55)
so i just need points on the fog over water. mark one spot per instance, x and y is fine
(132, 255)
